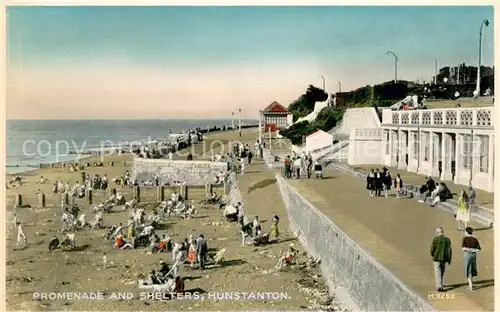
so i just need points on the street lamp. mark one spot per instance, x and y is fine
(478, 83)
(340, 86)
(260, 126)
(323, 82)
(232, 121)
(395, 65)
(239, 120)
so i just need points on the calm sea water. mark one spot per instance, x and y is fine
(31, 142)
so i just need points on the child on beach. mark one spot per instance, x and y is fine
(274, 228)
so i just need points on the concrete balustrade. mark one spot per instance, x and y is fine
(451, 117)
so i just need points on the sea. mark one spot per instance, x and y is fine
(31, 142)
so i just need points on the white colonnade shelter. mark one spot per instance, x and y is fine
(450, 144)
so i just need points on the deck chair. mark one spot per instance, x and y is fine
(219, 256)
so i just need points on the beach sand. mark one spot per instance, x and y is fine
(35, 270)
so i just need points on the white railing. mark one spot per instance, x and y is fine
(366, 134)
(330, 150)
(457, 117)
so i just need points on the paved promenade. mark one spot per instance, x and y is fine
(398, 233)
(483, 198)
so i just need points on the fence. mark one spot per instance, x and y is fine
(371, 286)
(147, 195)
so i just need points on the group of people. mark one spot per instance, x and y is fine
(381, 180)
(298, 165)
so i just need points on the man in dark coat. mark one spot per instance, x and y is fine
(441, 254)
(201, 251)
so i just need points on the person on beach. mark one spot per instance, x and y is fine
(463, 211)
(398, 185)
(21, 237)
(470, 248)
(201, 251)
(242, 165)
(257, 227)
(441, 254)
(274, 229)
(370, 183)
(191, 254)
(131, 231)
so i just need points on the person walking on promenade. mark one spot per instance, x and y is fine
(463, 211)
(378, 182)
(398, 185)
(288, 167)
(370, 182)
(387, 181)
(297, 164)
(309, 163)
(441, 254)
(470, 248)
(472, 199)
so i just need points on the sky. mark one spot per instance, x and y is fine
(168, 62)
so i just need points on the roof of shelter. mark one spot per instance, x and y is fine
(275, 107)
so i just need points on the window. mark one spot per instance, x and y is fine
(467, 151)
(484, 152)
(415, 146)
(387, 142)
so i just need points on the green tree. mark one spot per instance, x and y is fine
(304, 105)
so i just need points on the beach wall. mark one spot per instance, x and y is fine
(344, 264)
(191, 172)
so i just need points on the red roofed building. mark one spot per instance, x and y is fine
(275, 116)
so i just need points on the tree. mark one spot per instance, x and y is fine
(304, 105)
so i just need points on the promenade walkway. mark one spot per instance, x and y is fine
(398, 234)
(483, 198)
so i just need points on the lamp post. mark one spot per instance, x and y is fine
(395, 65)
(239, 120)
(340, 86)
(323, 82)
(260, 126)
(435, 71)
(232, 121)
(478, 83)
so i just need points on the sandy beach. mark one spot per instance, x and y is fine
(247, 269)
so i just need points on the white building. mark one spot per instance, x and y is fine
(317, 140)
(454, 144)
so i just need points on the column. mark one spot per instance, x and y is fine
(434, 154)
(402, 149)
(394, 148)
(446, 153)
(458, 159)
(491, 163)
(411, 151)
(476, 161)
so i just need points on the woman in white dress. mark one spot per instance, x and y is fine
(463, 211)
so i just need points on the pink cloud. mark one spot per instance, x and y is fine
(99, 91)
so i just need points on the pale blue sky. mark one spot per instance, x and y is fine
(166, 35)
(335, 39)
